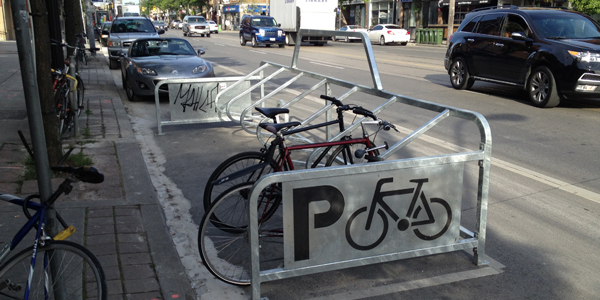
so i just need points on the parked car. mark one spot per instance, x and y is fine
(104, 33)
(214, 28)
(175, 24)
(151, 60)
(158, 24)
(348, 28)
(123, 31)
(388, 33)
(551, 53)
(195, 24)
(261, 30)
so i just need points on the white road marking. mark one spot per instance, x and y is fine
(327, 65)
(259, 52)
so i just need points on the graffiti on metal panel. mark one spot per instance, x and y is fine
(360, 234)
(196, 97)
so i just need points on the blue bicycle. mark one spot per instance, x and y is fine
(51, 268)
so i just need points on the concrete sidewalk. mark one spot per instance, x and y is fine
(119, 220)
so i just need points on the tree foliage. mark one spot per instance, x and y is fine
(590, 7)
(176, 5)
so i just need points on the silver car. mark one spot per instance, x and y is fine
(151, 60)
(195, 24)
(123, 31)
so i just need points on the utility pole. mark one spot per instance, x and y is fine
(451, 19)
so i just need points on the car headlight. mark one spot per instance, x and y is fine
(146, 71)
(585, 56)
(279, 32)
(114, 43)
(199, 69)
(261, 32)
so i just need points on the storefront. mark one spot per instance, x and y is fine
(232, 14)
(355, 13)
(382, 12)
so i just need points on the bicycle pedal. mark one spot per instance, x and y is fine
(65, 233)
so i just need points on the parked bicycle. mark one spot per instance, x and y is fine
(63, 85)
(222, 237)
(249, 166)
(51, 267)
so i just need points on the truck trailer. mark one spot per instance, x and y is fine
(304, 14)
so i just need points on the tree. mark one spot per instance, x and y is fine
(43, 60)
(590, 7)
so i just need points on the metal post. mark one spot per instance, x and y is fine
(34, 116)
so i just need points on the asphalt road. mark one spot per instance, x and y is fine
(544, 204)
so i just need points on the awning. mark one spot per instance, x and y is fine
(443, 3)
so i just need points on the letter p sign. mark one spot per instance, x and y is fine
(302, 197)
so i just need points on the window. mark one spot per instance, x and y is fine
(490, 24)
(515, 23)
(471, 24)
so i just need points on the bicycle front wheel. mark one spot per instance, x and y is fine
(72, 272)
(226, 253)
(61, 104)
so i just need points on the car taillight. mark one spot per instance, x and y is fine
(390, 32)
(407, 32)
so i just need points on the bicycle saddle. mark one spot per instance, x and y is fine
(274, 128)
(272, 112)
(85, 174)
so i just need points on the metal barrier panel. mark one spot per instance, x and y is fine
(342, 217)
(193, 100)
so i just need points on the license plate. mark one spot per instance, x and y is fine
(272, 39)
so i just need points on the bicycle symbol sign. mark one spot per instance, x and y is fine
(333, 220)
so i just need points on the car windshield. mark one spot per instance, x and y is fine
(264, 22)
(565, 26)
(197, 20)
(154, 47)
(106, 26)
(138, 25)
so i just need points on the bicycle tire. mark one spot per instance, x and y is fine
(60, 103)
(228, 166)
(370, 244)
(80, 94)
(340, 157)
(80, 272)
(432, 237)
(226, 254)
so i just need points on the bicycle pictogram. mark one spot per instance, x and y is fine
(360, 237)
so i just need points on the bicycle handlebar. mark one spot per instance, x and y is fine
(333, 100)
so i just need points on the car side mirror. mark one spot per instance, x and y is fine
(279, 25)
(161, 31)
(201, 52)
(519, 36)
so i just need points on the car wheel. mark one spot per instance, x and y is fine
(190, 33)
(459, 75)
(184, 34)
(382, 41)
(129, 91)
(346, 40)
(254, 42)
(202, 35)
(404, 43)
(208, 35)
(113, 64)
(541, 88)
(281, 45)
(242, 41)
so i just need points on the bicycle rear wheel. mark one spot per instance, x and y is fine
(80, 95)
(345, 155)
(226, 254)
(79, 274)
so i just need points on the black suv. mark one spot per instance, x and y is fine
(551, 53)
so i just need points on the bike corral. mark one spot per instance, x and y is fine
(409, 206)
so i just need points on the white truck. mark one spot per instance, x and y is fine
(304, 14)
(129, 11)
